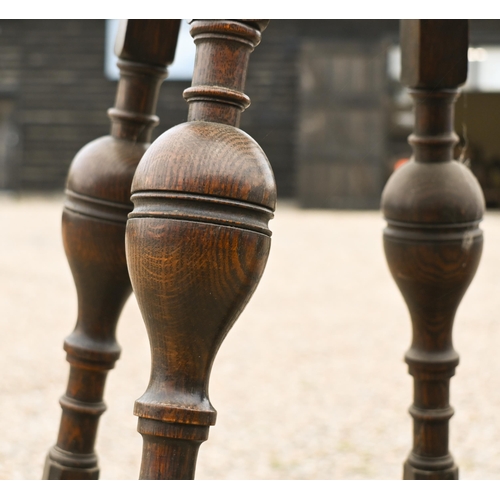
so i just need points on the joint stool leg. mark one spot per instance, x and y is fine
(433, 206)
(95, 213)
(197, 244)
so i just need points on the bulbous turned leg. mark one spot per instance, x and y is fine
(96, 255)
(433, 206)
(197, 243)
(192, 279)
(433, 273)
(94, 219)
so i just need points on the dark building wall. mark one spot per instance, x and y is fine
(60, 94)
(273, 85)
(53, 69)
(52, 72)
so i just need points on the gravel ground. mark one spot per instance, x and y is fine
(309, 384)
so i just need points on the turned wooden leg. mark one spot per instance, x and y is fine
(197, 244)
(433, 206)
(94, 218)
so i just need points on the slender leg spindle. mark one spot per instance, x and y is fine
(433, 206)
(197, 243)
(94, 218)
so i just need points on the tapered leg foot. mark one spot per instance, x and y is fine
(410, 472)
(62, 465)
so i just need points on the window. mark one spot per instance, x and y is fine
(182, 67)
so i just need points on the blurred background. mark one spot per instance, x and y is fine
(327, 106)
(310, 382)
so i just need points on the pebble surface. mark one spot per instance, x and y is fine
(309, 384)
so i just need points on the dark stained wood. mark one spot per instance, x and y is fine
(434, 52)
(94, 218)
(197, 243)
(433, 206)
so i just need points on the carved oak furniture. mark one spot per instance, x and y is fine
(94, 218)
(197, 243)
(197, 240)
(433, 206)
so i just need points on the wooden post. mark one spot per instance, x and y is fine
(433, 206)
(94, 219)
(197, 243)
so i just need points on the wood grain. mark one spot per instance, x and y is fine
(197, 244)
(95, 213)
(433, 206)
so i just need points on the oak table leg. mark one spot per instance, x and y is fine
(433, 206)
(197, 243)
(94, 218)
